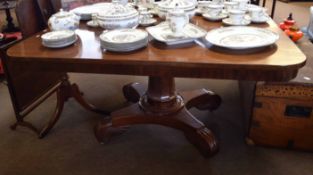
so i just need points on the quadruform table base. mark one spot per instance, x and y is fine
(161, 105)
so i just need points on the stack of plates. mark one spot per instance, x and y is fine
(58, 39)
(124, 40)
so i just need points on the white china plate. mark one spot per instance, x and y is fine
(123, 36)
(239, 37)
(153, 12)
(68, 43)
(151, 21)
(198, 11)
(92, 23)
(57, 35)
(163, 33)
(245, 21)
(127, 49)
(214, 18)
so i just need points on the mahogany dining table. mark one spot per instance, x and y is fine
(160, 103)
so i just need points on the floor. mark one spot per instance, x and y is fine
(72, 149)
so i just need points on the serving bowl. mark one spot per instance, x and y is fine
(118, 16)
(168, 5)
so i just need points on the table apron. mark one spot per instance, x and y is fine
(170, 70)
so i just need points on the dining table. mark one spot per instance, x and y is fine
(159, 102)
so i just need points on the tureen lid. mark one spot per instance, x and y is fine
(181, 4)
(117, 10)
(62, 14)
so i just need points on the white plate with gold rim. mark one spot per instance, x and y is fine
(240, 37)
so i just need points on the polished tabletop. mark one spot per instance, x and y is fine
(279, 62)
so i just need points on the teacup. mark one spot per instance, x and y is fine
(236, 16)
(203, 5)
(142, 9)
(177, 19)
(242, 4)
(229, 5)
(144, 17)
(214, 9)
(257, 13)
(217, 1)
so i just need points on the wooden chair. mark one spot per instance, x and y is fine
(29, 88)
(56, 4)
(29, 19)
(46, 9)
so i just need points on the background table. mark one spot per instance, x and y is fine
(161, 103)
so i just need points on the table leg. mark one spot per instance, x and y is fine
(10, 25)
(64, 91)
(162, 105)
(201, 99)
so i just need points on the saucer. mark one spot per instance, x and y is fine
(214, 18)
(198, 12)
(263, 19)
(148, 22)
(92, 23)
(229, 22)
(153, 12)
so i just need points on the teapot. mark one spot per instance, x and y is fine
(63, 20)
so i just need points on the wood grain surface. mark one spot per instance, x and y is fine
(279, 62)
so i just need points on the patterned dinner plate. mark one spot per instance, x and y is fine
(240, 37)
(58, 35)
(124, 36)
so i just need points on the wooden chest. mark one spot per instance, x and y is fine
(282, 116)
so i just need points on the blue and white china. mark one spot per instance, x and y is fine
(63, 20)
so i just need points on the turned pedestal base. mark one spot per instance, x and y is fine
(162, 105)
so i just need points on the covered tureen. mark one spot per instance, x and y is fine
(118, 15)
(63, 20)
(187, 5)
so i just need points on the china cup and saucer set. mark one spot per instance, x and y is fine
(233, 13)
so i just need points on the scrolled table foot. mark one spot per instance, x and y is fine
(204, 140)
(104, 131)
(197, 133)
(201, 99)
